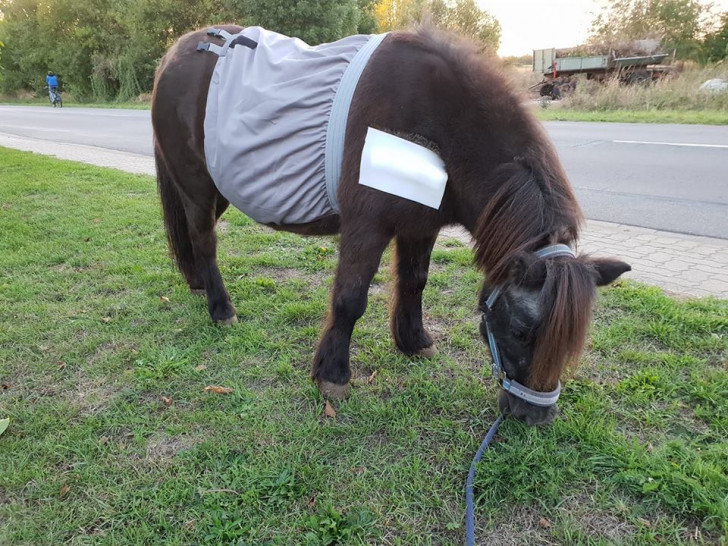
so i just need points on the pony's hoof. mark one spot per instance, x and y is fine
(333, 391)
(198, 291)
(427, 352)
(228, 321)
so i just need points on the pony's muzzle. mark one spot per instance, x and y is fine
(523, 411)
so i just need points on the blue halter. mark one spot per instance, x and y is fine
(537, 398)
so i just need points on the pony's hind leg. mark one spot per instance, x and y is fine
(411, 266)
(199, 288)
(202, 215)
(359, 256)
(191, 206)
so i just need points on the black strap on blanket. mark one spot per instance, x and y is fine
(218, 50)
(244, 40)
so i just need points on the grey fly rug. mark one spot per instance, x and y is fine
(276, 118)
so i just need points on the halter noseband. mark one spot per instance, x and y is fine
(536, 398)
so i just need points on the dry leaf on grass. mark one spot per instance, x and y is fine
(106, 319)
(62, 366)
(200, 368)
(104, 440)
(218, 390)
(165, 299)
(167, 400)
(312, 501)
(329, 410)
(370, 379)
(64, 491)
(544, 523)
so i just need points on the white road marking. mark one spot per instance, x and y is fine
(689, 145)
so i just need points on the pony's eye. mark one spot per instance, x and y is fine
(519, 334)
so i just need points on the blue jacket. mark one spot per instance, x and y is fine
(52, 81)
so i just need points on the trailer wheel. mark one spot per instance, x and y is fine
(546, 90)
(639, 78)
(551, 90)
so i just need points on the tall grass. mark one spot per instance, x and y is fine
(678, 92)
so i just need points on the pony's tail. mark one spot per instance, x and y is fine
(175, 221)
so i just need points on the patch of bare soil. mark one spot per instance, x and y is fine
(599, 523)
(607, 526)
(520, 527)
(284, 275)
(162, 447)
(92, 395)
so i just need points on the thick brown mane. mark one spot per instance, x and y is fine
(530, 204)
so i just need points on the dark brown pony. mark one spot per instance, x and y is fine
(506, 187)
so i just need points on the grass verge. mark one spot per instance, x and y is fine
(105, 356)
(69, 102)
(702, 117)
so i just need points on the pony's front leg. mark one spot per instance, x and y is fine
(411, 268)
(359, 255)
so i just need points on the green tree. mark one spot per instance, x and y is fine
(313, 21)
(100, 48)
(367, 21)
(677, 23)
(110, 49)
(465, 17)
(462, 16)
(715, 45)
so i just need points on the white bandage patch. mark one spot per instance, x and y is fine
(402, 168)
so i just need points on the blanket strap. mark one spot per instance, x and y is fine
(225, 36)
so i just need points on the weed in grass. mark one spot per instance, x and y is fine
(331, 527)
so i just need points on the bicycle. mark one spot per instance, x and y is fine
(54, 96)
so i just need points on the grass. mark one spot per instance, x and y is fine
(104, 357)
(702, 117)
(70, 102)
(673, 100)
(678, 93)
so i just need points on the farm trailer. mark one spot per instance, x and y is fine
(558, 72)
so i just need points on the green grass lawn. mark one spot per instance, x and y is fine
(105, 356)
(702, 117)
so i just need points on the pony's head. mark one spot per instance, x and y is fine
(539, 322)
(540, 319)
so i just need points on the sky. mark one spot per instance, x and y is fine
(538, 24)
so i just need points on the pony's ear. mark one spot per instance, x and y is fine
(527, 270)
(609, 269)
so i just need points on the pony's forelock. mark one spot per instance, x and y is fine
(568, 294)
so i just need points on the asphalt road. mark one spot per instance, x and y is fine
(666, 177)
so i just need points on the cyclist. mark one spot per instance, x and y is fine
(52, 83)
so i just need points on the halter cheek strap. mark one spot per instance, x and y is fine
(536, 398)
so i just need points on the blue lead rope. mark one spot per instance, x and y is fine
(469, 510)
